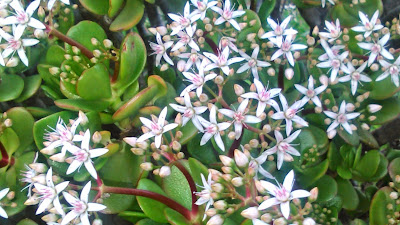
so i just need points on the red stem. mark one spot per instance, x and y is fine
(148, 194)
(143, 193)
(70, 41)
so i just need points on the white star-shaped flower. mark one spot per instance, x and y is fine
(81, 207)
(228, 42)
(4, 3)
(355, 76)
(334, 61)
(278, 30)
(285, 48)
(289, 114)
(282, 147)
(212, 128)
(264, 97)
(239, 117)
(160, 49)
(16, 44)
(282, 194)
(83, 155)
(202, 6)
(2, 194)
(252, 62)
(310, 93)
(50, 4)
(341, 118)
(157, 128)
(334, 31)
(48, 193)
(189, 112)
(197, 79)
(63, 136)
(221, 61)
(23, 18)
(182, 22)
(194, 58)
(377, 48)
(390, 69)
(205, 194)
(186, 39)
(368, 26)
(228, 15)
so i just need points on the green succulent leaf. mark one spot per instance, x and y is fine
(22, 124)
(130, 15)
(94, 83)
(31, 86)
(99, 7)
(347, 193)
(11, 87)
(148, 205)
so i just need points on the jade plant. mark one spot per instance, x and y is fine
(198, 112)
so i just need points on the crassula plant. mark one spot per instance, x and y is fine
(199, 112)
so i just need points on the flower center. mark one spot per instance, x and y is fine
(310, 93)
(22, 17)
(156, 129)
(189, 112)
(290, 113)
(393, 70)
(278, 30)
(264, 96)
(283, 147)
(198, 80)
(355, 76)
(185, 38)
(252, 63)
(201, 6)
(81, 156)
(212, 129)
(376, 48)
(184, 22)
(282, 194)
(15, 44)
(336, 63)
(193, 57)
(341, 118)
(159, 49)
(47, 193)
(238, 116)
(227, 14)
(286, 46)
(222, 60)
(369, 26)
(79, 207)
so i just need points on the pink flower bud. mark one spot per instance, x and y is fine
(250, 213)
(289, 73)
(373, 108)
(240, 158)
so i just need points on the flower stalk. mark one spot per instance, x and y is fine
(70, 41)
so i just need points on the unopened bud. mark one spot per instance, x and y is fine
(49, 218)
(239, 90)
(38, 167)
(33, 200)
(58, 157)
(280, 221)
(96, 137)
(227, 161)
(240, 158)
(394, 195)
(11, 195)
(165, 171)
(176, 146)
(164, 67)
(314, 194)
(146, 166)
(289, 73)
(373, 108)
(237, 181)
(215, 220)
(94, 41)
(250, 213)
(12, 62)
(107, 43)
(162, 30)
(137, 151)
(8, 123)
(97, 53)
(271, 72)
(220, 205)
(331, 134)
(181, 65)
(219, 79)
